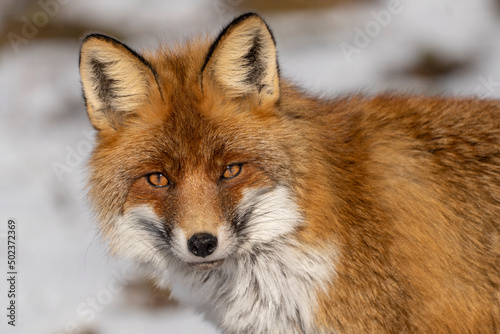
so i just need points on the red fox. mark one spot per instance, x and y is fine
(273, 211)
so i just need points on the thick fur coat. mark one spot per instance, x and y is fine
(273, 211)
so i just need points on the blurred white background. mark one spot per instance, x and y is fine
(67, 282)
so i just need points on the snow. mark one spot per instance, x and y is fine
(63, 263)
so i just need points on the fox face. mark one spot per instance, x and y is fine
(204, 199)
(183, 171)
(272, 211)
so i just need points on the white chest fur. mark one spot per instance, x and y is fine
(271, 290)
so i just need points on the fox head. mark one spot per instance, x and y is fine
(192, 161)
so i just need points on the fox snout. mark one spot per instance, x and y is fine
(201, 248)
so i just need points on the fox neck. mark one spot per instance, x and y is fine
(271, 289)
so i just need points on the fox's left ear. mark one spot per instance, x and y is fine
(242, 61)
(117, 81)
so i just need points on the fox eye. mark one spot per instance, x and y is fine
(157, 180)
(232, 171)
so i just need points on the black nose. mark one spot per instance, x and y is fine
(202, 244)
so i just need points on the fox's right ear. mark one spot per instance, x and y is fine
(242, 61)
(116, 81)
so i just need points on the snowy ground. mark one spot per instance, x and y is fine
(66, 278)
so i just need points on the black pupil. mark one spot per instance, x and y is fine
(232, 171)
(156, 179)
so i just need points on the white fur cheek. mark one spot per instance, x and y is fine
(179, 244)
(131, 240)
(274, 214)
(227, 242)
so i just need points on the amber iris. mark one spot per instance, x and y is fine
(157, 180)
(232, 171)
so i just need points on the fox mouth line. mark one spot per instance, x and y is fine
(206, 265)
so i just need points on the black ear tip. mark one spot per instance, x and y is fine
(98, 36)
(101, 37)
(249, 14)
(245, 16)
